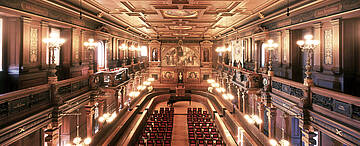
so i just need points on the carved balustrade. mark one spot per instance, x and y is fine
(15, 105)
(70, 88)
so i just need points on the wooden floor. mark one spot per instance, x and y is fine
(180, 130)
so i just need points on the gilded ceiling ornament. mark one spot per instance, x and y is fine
(180, 13)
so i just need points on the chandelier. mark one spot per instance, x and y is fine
(54, 41)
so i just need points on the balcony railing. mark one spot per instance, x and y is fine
(17, 104)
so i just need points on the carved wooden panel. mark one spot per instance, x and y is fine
(33, 45)
(328, 47)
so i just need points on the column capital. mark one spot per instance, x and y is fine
(335, 21)
(317, 25)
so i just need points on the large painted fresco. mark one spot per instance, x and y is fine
(180, 56)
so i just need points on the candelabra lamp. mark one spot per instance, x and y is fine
(91, 47)
(270, 45)
(53, 43)
(308, 45)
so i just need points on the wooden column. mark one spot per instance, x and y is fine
(317, 51)
(245, 102)
(287, 126)
(272, 122)
(239, 95)
(261, 116)
(89, 119)
(336, 33)
(44, 34)
(26, 41)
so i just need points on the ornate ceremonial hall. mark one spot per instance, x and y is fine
(179, 72)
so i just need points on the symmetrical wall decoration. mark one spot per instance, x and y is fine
(286, 45)
(180, 56)
(76, 47)
(33, 45)
(237, 51)
(167, 75)
(328, 49)
(192, 75)
(154, 54)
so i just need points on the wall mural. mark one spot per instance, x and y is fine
(193, 75)
(168, 75)
(180, 56)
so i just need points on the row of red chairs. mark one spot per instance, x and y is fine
(194, 142)
(201, 129)
(155, 142)
(158, 130)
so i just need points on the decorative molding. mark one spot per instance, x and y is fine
(288, 89)
(33, 52)
(328, 47)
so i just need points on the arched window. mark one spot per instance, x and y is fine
(101, 54)
(262, 55)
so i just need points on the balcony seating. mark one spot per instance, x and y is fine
(158, 129)
(201, 129)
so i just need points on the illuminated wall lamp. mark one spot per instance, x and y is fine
(150, 79)
(220, 90)
(210, 81)
(215, 85)
(107, 117)
(273, 142)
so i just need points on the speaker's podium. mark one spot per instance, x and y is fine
(180, 89)
(180, 95)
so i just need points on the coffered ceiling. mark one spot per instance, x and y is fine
(180, 18)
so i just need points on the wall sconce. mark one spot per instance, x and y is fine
(141, 87)
(210, 81)
(220, 90)
(134, 94)
(228, 96)
(308, 45)
(107, 117)
(253, 119)
(273, 142)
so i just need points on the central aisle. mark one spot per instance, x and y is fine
(180, 129)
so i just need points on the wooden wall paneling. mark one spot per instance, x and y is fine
(336, 37)
(75, 38)
(65, 54)
(44, 34)
(296, 55)
(13, 41)
(318, 31)
(350, 45)
(286, 47)
(26, 25)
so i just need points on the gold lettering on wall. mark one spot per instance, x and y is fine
(328, 50)
(33, 45)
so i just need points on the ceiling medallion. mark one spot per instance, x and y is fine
(180, 13)
(180, 27)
